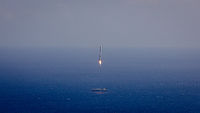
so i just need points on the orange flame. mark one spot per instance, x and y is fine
(100, 62)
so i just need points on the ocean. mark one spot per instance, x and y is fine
(137, 80)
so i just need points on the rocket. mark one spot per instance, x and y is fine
(100, 55)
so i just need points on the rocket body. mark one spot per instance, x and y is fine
(100, 55)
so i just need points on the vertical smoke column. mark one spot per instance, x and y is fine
(100, 57)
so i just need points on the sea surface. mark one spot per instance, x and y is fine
(138, 80)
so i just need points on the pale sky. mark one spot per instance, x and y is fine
(88, 23)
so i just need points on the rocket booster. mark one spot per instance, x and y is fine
(100, 55)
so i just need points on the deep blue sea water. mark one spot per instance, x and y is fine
(59, 80)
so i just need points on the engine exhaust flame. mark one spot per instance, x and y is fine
(100, 62)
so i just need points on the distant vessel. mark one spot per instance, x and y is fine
(99, 90)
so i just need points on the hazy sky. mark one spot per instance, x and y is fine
(87, 23)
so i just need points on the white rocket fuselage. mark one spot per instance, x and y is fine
(100, 55)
